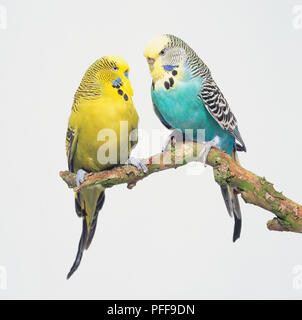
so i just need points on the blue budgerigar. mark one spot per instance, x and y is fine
(185, 96)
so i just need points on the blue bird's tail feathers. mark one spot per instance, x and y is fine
(232, 203)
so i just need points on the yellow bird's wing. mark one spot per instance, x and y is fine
(71, 145)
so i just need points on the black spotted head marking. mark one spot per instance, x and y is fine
(117, 83)
(171, 81)
(169, 56)
(167, 85)
(109, 71)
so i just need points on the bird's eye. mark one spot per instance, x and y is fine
(114, 69)
(162, 52)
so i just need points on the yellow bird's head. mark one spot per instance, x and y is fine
(163, 53)
(106, 74)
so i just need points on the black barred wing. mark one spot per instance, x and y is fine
(219, 109)
(71, 144)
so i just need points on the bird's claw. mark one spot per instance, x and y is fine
(173, 138)
(80, 176)
(138, 164)
(205, 152)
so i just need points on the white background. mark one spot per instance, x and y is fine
(169, 237)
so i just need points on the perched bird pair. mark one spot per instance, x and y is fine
(184, 97)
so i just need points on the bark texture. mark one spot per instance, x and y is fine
(253, 189)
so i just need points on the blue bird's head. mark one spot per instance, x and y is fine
(169, 54)
(162, 57)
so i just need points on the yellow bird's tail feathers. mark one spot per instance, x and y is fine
(88, 203)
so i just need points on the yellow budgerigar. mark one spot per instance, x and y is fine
(102, 130)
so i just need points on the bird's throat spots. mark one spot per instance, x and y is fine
(117, 85)
(169, 84)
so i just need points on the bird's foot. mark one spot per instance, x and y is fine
(204, 153)
(173, 138)
(137, 164)
(80, 176)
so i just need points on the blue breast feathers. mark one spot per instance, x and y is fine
(181, 108)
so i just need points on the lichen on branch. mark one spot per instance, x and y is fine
(253, 189)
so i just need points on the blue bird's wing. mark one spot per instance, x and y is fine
(219, 109)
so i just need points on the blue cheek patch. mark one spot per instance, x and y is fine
(126, 74)
(117, 82)
(169, 67)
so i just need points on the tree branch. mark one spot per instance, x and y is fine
(253, 189)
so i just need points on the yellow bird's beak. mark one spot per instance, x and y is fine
(150, 61)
